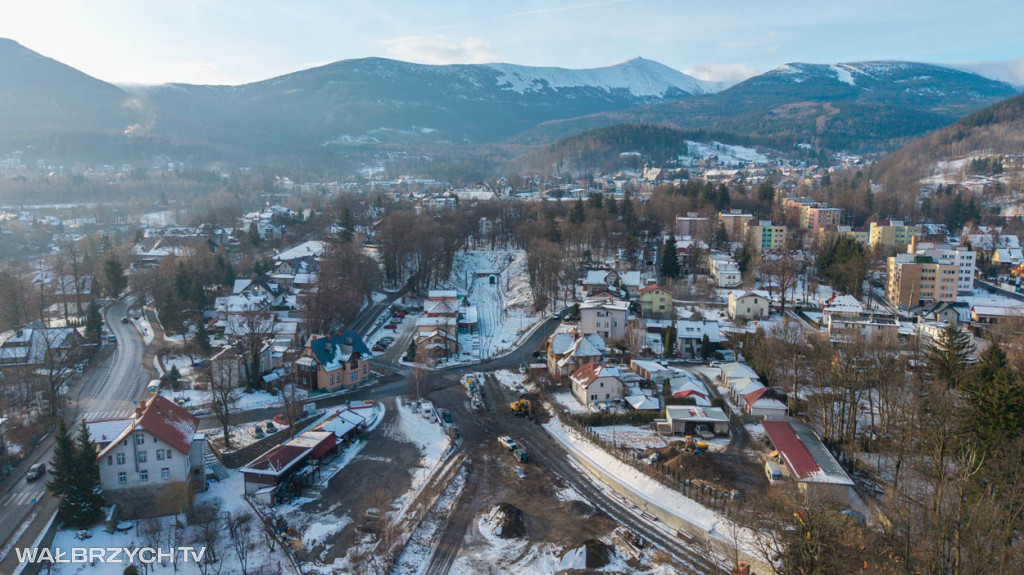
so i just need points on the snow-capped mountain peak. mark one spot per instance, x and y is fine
(641, 77)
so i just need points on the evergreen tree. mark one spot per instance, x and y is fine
(669, 339)
(997, 400)
(348, 224)
(626, 210)
(947, 356)
(93, 322)
(596, 201)
(766, 192)
(410, 354)
(706, 351)
(201, 339)
(75, 478)
(670, 259)
(113, 272)
(577, 215)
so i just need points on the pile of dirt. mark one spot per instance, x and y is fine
(591, 554)
(579, 508)
(507, 520)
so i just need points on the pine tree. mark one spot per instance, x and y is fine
(63, 464)
(997, 400)
(113, 272)
(947, 356)
(93, 322)
(85, 503)
(670, 259)
(577, 215)
(202, 337)
(706, 351)
(348, 225)
(669, 339)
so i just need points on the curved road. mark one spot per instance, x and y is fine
(105, 391)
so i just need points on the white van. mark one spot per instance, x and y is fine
(776, 472)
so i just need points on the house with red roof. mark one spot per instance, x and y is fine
(156, 462)
(595, 383)
(818, 475)
(655, 301)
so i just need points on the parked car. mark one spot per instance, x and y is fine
(258, 432)
(281, 419)
(386, 339)
(35, 472)
(391, 326)
(270, 427)
(378, 347)
(399, 315)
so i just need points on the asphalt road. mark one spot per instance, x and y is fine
(104, 391)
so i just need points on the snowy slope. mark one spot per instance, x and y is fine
(642, 78)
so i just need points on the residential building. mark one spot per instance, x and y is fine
(767, 237)
(36, 346)
(599, 279)
(913, 280)
(606, 318)
(989, 314)
(818, 218)
(567, 351)
(690, 336)
(862, 236)
(155, 463)
(631, 281)
(724, 271)
(692, 225)
(892, 234)
(962, 257)
(735, 223)
(748, 305)
(655, 301)
(331, 362)
(595, 383)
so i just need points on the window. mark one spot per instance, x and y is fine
(144, 475)
(168, 453)
(159, 454)
(120, 459)
(122, 478)
(165, 473)
(110, 460)
(142, 457)
(140, 438)
(353, 376)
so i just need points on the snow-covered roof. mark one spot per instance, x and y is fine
(695, 329)
(644, 402)
(314, 248)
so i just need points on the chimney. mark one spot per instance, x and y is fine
(912, 248)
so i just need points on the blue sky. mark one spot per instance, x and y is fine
(230, 42)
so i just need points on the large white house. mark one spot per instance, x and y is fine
(595, 383)
(606, 318)
(155, 463)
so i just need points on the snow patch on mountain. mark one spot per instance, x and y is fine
(642, 78)
(843, 74)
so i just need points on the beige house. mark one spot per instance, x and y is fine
(748, 305)
(655, 302)
(155, 463)
(595, 383)
(331, 362)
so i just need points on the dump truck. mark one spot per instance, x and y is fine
(522, 407)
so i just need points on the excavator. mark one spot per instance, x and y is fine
(696, 447)
(522, 407)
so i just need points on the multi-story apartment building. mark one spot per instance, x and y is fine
(735, 223)
(817, 218)
(767, 236)
(692, 225)
(960, 256)
(892, 234)
(919, 279)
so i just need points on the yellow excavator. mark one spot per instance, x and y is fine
(522, 407)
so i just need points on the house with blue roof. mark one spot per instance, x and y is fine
(334, 361)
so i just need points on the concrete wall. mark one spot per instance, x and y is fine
(239, 457)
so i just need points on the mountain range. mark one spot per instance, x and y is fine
(376, 100)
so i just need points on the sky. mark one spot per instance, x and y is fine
(238, 41)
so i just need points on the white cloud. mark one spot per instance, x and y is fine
(439, 50)
(1011, 71)
(725, 73)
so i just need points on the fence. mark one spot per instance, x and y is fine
(239, 457)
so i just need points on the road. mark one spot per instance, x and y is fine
(104, 391)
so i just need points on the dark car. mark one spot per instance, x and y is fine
(386, 340)
(35, 472)
(124, 319)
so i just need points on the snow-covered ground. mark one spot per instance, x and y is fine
(198, 401)
(175, 532)
(146, 330)
(631, 436)
(515, 382)
(726, 153)
(567, 400)
(982, 297)
(504, 309)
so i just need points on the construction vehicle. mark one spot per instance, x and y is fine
(522, 407)
(508, 442)
(695, 447)
(520, 455)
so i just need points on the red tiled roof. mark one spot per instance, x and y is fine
(651, 287)
(755, 395)
(688, 393)
(169, 422)
(799, 460)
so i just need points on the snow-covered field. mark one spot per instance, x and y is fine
(197, 401)
(431, 441)
(726, 154)
(567, 400)
(631, 436)
(982, 297)
(146, 330)
(514, 382)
